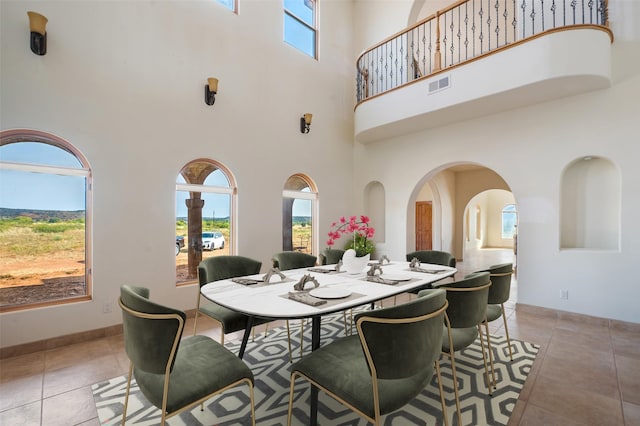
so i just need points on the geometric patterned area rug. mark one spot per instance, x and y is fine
(268, 358)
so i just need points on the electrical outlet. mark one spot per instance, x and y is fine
(106, 307)
(564, 294)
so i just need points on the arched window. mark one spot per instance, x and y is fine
(205, 210)
(44, 221)
(509, 221)
(299, 204)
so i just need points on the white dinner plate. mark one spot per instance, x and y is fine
(394, 277)
(330, 292)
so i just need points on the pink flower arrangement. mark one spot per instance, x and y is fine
(359, 227)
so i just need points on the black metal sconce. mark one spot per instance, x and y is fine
(305, 123)
(37, 25)
(210, 91)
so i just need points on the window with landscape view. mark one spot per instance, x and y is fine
(298, 206)
(44, 229)
(205, 200)
(300, 29)
(509, 221)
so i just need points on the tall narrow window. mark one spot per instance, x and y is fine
(205, 200)
(230, 4)
(300, 29)
(298, 207)
(509, 221)
(44, 226)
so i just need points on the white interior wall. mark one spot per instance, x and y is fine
(530, 156)
(496, 201)
(127, 89)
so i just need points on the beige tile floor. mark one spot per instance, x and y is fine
(587, 371)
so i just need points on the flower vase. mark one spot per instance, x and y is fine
(353, 264)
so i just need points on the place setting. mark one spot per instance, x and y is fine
(376, 274)
(317, 295)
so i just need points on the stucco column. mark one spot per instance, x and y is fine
(194, 220)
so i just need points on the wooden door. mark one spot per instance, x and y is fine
(423, 225)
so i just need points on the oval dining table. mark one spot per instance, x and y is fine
(338, 291)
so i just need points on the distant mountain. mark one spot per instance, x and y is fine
(41, 215)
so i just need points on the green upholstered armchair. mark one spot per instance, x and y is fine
(466, 312)
(174, 374)
(220, 268)
(293, 260)
(499, 292)
(434, 257)
(387, 364)
(331, 256)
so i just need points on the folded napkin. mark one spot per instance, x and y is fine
(380, 280)
(427, 271)
(321, 270)
(244, 281)
(306, 298)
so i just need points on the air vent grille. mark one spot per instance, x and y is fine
(439, 84)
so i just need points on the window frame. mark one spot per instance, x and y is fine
(314, 27)
(235, 6)
(310, 194)
(26, 135)
(231, 191)
(504, 212)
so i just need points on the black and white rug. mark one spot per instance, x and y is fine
(269, 361)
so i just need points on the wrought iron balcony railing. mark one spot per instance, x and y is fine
(465, 31)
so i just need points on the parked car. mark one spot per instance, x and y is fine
(179, 244)
(212, 240)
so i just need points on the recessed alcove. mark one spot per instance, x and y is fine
(590, 205)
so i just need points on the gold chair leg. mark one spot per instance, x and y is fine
(344, 321)
(126, 395)
(444, 405)
(301, 337)
(455, 386)
(290, 410)
(253, 404)
(493, 371)
(506, 330)
(195, 323)
(484, 358)
(453, 369)
(289, 342)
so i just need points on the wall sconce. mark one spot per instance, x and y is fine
(37, 25)
(210, 91)
(305, 123)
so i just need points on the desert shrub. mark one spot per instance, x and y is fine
(52, 228)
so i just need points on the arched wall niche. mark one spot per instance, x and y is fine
(590, 205)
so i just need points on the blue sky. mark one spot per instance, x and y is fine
(37, 191)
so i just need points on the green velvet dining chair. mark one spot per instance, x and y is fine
(386, 365)
(172, 372)
(331, 256)
(499, 293)
(286, 260)
(467, 312)
(434, 257)
(221, 268)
